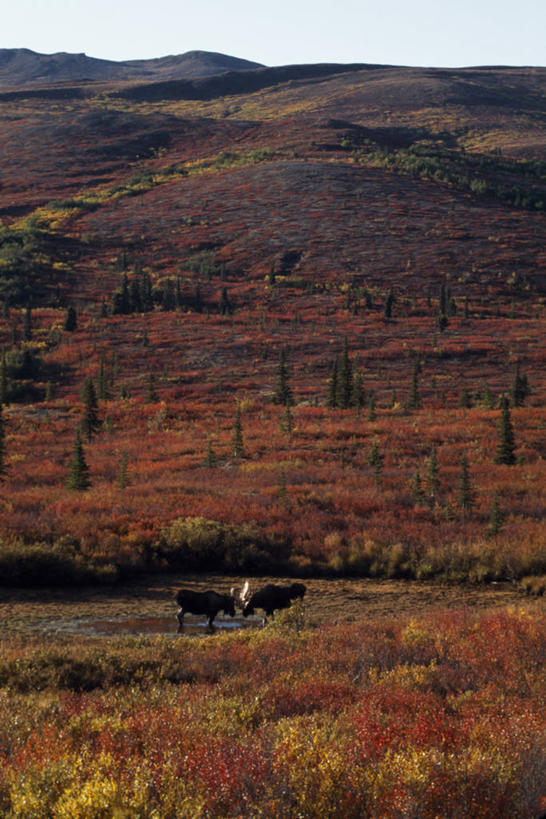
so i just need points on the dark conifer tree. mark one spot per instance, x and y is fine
(210, 458)
(496, 517)
(120, 300)
(2, 445)
(506, 445)
(103, 390)
(357, 393)
(375, 459)
(125, 300)
(417, 489)
(283, 393)
(389, 302)
(371, 406)
(520, 388)
(465, 401)
(198, 300)
(90, 421)
(146, 296)
(4, 380)
(27, 328)
(287, 421)
(486, 396)
(178, 294)
(71, 320)
(238, 445)
(168, 295)
(78, 474)
(135, 301)
(432, 477)
(332, 385)
(224, 305)
(122, 478)
(414, 401)
(465, 489)
(151, 392)
(344, 384)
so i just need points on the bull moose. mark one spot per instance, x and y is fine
(208, 603)
(270, 598)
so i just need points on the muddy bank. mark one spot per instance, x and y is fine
(148, 606)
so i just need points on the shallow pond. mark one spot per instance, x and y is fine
(145, 624)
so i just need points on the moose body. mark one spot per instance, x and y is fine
(273, 597)
(208, 603)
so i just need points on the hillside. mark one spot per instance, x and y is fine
(23, 67)
(380, 227)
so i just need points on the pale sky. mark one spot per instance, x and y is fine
(399, 32)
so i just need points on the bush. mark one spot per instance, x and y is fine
(197, 544)
(41, 564)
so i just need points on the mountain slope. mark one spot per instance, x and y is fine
(22, 67)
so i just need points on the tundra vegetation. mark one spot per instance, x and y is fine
(281, 331)
(436, 715)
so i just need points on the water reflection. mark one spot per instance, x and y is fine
(193, 625)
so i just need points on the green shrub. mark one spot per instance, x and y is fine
(41, 564)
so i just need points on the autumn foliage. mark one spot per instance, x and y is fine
(432, 716)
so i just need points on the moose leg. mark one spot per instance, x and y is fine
(180, 618)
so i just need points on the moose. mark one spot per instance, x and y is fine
(208, 603)
(270, 598)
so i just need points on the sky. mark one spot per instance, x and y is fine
(398, 32)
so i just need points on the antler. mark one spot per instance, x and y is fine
(244, 596)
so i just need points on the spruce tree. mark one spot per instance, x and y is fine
(27, 329)
(332, 385)
(151, 393)
(414, 401)
(371, 406)
(496, 517)
(506, 445)
(281, 491)
(103, 390)
(122, 478)
(70, 320)
(465, 401)
(2, 445)
(344, 383)
(210, 458)
(520, 388)
(224, 305)
(178, 294)
(169, 295)
(238, 446)
(283, 393)
(78, 475)
(389, 302)
(90, 421)
(125, 300)
(135, 300)
(4, 380)
(432, 477)
(417, 489)
(146, 297)
(375, 459)
(465, 489)
(286, 421)
(357, 393)
(486, 396)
